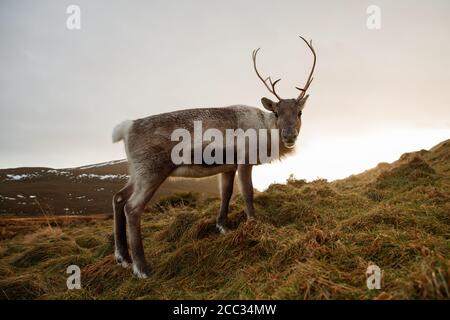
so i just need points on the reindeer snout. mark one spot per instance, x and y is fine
(289, 134)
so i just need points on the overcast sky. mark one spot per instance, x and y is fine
(376, 93)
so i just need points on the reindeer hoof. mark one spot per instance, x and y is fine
(222, 229)
(141, 273)
(251, 220)
(125, 262)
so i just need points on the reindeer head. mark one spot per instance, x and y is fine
(287, 111)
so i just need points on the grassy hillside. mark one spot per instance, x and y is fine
(311, 241)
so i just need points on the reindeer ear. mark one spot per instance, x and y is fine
(268, 104)
(301, 103)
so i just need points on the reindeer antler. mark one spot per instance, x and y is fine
(310, 77)
(268, 80)
(272, 84)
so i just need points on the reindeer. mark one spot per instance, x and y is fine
(148, 147)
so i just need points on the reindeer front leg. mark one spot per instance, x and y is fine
(246, 185)
(226, 190)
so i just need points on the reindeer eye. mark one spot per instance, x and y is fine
(299, 113)
(276, 114)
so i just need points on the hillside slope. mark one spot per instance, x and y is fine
(311, 241)
(83, 190)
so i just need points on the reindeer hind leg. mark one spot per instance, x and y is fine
(120, 235)
(144, 190)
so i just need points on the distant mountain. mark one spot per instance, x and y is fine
(86, 189)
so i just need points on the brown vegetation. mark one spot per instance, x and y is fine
(312, 241)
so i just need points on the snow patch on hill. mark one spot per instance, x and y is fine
(102, 176)
(19, 177)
